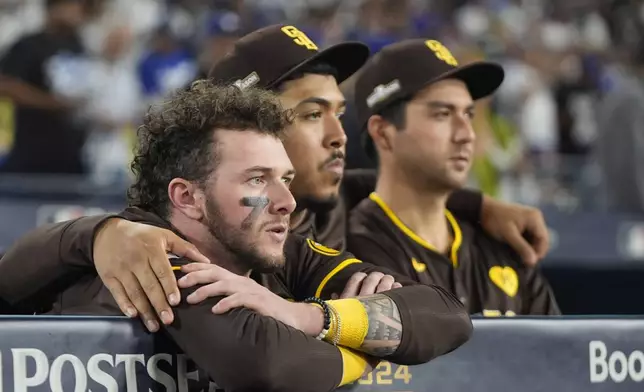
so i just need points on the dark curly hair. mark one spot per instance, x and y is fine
(176, 138)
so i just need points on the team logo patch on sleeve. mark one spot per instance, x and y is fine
(321, 249)
(506, 279)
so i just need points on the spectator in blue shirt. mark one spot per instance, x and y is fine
(168, 66)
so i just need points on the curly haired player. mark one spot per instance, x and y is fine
(211, 168)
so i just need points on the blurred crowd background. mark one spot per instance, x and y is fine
(563, 130)
(564, 133)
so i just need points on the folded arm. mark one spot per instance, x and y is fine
(39, 264)
(384, 331)
(48, 259)
(408, 325)
(273, 355)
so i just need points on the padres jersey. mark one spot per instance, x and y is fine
(260, 345)
(225, 347)
(330, 227)
(486, 275)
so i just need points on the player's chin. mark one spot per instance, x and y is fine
(323, 201)
(457, 181)
(269, 263)
(327, 190)
(331, 179)
(273, 259)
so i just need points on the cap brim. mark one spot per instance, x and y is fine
(346, 58)
(481, 78)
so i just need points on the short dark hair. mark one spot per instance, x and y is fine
(316, 68)
(177, 137)
(395, 114)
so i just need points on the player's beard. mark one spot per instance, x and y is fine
(306, 196)
(316, 204)
(238, 241)
(307, 201)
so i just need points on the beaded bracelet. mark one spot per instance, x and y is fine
(327, 315)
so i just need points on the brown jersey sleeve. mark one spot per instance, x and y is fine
(538, 295)
(39, 264)
(244, 351)
(433, 321)
(239, 350)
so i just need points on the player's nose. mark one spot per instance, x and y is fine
(282, 200)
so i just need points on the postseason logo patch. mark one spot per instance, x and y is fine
(321, 249)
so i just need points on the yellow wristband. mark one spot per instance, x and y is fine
(353, 365)
(354, 320)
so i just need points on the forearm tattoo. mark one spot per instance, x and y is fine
(385, 326)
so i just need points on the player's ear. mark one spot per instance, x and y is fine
(382, 133)
(187, 198)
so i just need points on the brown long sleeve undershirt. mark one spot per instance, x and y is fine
(277, 357)
(244, 351)
(47, 259)
(434, 322)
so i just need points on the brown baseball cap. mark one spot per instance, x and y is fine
(267, 56)
(402, 69)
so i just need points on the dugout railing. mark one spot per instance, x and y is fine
(41, 353)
